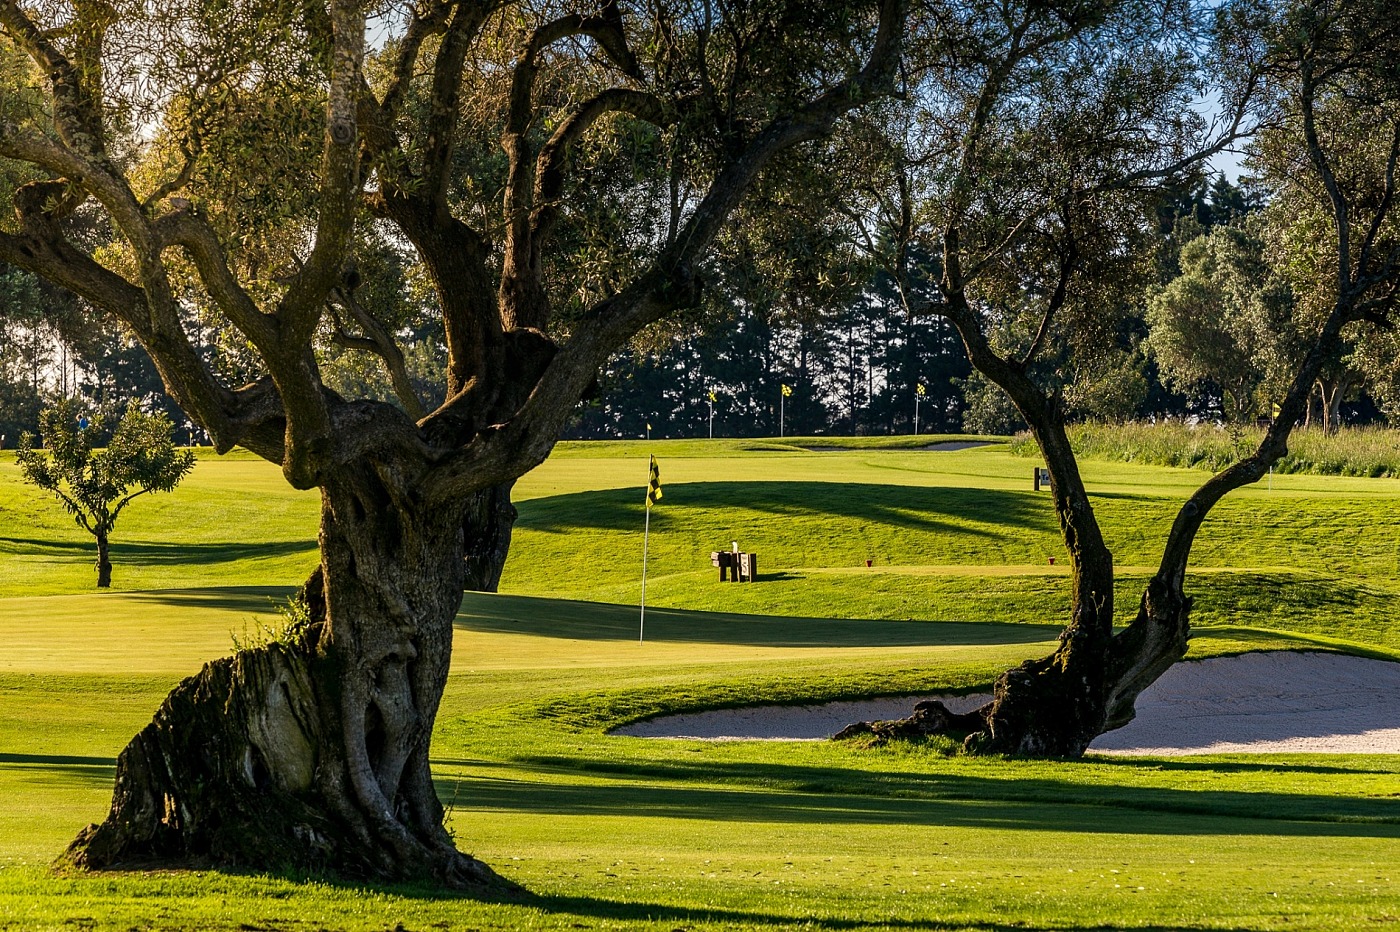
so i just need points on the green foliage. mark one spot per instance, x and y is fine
(293, 617)
(989, 409)
(1226, 321)
(96, 484)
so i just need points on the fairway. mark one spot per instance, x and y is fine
(610, 832)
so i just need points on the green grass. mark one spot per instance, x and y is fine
(616, 833)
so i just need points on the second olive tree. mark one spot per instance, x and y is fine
(95, 484)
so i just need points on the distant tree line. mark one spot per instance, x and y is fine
(1205, 332)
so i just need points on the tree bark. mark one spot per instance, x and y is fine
(311, 753)
(1333, 392)
(104, 561)
(1056, 705)
(490, 520)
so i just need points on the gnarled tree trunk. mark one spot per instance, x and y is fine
(313, 753)
(1055, 706)
(489, 522)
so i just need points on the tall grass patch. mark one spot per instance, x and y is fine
(1367, 452)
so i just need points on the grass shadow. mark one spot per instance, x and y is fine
(623, 910)
(150, 553)
(100, 770)
(600, 621)
(912, 508)
(253, 599)
(774, 792)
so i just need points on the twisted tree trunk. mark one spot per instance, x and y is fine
(313, 753)
(490, 520)
(1056, 706)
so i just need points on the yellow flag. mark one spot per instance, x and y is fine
(712, 397)
(787, 391)
(654, 485)
(919, 389)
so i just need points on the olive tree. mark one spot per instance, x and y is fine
(1039, 159)
(232, 151)
(95, 484)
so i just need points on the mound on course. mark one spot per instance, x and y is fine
(623, 833)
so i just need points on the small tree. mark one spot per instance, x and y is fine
(95, 484)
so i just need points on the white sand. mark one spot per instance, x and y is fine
(1269, 702)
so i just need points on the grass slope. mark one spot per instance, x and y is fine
(633, 834)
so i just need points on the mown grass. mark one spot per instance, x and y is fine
(1373, 452)
(633, 834)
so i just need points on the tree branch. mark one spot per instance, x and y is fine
(340, 183)
(498, 453)
(77, 112)
(522, 296)
(1368, 242)
(380, 342)
(1069, 258)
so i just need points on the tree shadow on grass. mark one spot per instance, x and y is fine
(599, 621)
(768, 792)
(99, 770)
(679, 917)
(915, 508)
(149, 553)
(1235, 766)
(253, 599)
(599, 908)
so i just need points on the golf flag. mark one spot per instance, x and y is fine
(712, 397)
(787, 391)
(654, 486)
(919, 389)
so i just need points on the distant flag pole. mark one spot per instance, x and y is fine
(712, 415)
(648, 430)
(918, 395)
(787, 390)
(653, 496)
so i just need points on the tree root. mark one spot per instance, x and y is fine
(929, 718)
(233, 772)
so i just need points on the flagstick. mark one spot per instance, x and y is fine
(646, 538)
(782, 405)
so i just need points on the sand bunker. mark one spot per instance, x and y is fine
(1268, 702)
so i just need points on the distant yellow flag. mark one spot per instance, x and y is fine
(787, 391)
(712, 398)
(654, 485)
(919, 389)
